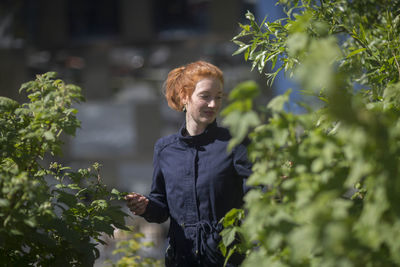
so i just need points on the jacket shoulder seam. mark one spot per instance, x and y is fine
(164, 142)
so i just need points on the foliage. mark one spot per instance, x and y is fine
(52, 215)
(326, 183)
(130, 249)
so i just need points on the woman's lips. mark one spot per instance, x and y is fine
(209, 113)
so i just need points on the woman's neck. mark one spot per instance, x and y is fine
(194, 128)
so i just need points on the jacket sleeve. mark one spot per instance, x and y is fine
(242, 164)
(157, 209)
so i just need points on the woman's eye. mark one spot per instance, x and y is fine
(207, 97)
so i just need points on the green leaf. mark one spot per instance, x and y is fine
(232, 217)
(355, 52)
(244, 90)
(74, 186)
(243, 106)
(7, 104)
(222, 248)
(241, 50)
(249, 16)
(296, 43)
(4, 203)
(67, 198)
(277, 103)
(99, 204)
(239, 124)
(30, 222)
(115, 191)
(391, 96)
(228, 235)
(49, 136)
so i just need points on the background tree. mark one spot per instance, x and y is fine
(326, 182)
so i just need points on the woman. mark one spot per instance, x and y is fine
(195, 180)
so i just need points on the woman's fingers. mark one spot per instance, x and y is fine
(139, 210)
(133, 196)
(141, 207)
(137, 203)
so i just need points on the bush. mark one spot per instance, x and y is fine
(130, 249)
(326, 183)
(49, 215)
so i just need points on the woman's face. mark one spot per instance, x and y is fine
(204, 104)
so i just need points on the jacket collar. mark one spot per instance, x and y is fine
(206, 135)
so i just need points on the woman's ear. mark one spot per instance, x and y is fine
(185, 100)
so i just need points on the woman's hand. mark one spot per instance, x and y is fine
(137, 203)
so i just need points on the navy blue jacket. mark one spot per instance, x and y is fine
(195, 183)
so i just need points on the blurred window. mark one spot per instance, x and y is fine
(93, 18)
(185, 16)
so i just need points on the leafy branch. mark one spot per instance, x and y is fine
(325, 183)
(50, 215)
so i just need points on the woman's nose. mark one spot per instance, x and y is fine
(212, 103)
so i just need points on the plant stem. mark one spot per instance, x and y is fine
(397, 64)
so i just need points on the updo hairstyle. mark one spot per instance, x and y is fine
(182, 81)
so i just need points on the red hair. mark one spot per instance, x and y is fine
(182, 81)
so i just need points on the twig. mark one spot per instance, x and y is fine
(397, 64)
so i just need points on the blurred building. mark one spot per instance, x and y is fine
(119, 52)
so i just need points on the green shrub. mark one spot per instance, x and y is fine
(130, 248)
(326, 183)
(49, 215)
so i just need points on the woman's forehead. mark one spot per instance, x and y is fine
(209, 84)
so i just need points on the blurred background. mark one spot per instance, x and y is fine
(120, 53)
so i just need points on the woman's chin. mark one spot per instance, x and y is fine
(208, 120)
